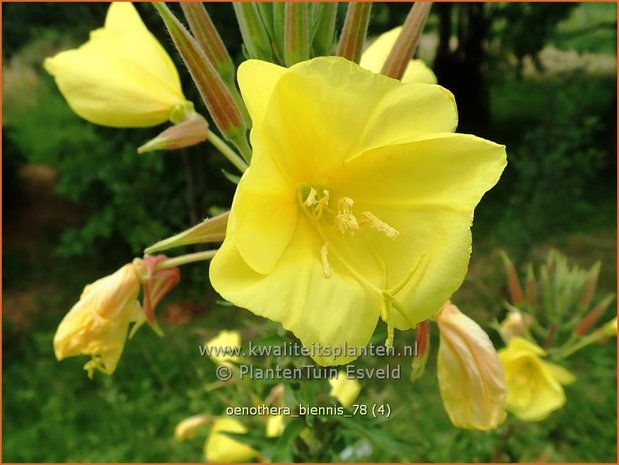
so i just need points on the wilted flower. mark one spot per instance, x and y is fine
(121, 77)
(345, 390)
(470, 376)
(98, 324)
(376, 54)
(357, 204)
(222, 448)
(224, 346)
(534, 386)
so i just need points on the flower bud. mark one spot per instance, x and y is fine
(422, 350)
(275, 426)
(190, 132)
(534, 386)
(514, 325)
(470, 376)
(188, 428)
(222, 448)
(210, 230)
(121, 77)
(98, 324)
(610, 328)
(345, 390)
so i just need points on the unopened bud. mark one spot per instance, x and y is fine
(188, 428)
(210, 230)
(190, 132)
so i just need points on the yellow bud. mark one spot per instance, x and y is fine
(610, 328)
(97, 325)
(514, 325)
(345, 390)
(188, 428)
(470, 376)
(222, 448)
(534, 386)
(224, 347)
(275, 426)
(190, 132)
(121, 77)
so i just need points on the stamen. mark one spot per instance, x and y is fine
(310, 201)
(326, 268)
(345, 220)
(381, 226)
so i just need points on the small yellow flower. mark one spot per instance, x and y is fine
(357, 204)
(97, 325)
(222, 448)
(534, 386)
(275, 426)
(376, 54)
(345, 390)
(224, 346)
(470, 376)
(121, 77)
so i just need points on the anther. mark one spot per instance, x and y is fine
(326, 268)
(381, 226)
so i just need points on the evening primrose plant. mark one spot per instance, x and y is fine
(352, 212)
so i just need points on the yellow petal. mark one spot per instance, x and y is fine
(374, 58)
(354, 110)
(256, 79)
(188, 428)
(470, 376)
(107, 82)
(226, 342)
(222, 448)
(275, 426)
(345, 390)
(318, 310)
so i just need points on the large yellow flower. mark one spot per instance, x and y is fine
(357, 204)
(534, 386)
(121, 77)
(376, 54)
(98, 324)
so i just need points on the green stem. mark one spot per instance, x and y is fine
(225, 149)
(185, 259)
(582, 342)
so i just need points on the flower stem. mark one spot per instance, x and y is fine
(185, 259)
(225, 149)
(354, 31)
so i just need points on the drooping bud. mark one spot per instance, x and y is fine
(210, 230)
(188, 428)
(422, 349)
(354, 30)
(157, 283)
(190, 132)
(406, 44)
(296, 33)
(470, 376)
(345, 390)
(221, 105)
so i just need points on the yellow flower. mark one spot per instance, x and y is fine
(222, 448)
(275, 426)
(121, 77)
(345, 390)
(534, 386)
(470, 376)
(357, 204)
(376, 54)
(97, 325)
(224, 346)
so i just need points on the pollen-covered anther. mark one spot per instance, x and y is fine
(379, 225)
(311, 201)
(324, 257)
(345, 220)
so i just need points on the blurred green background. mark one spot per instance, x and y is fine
(78, 202)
